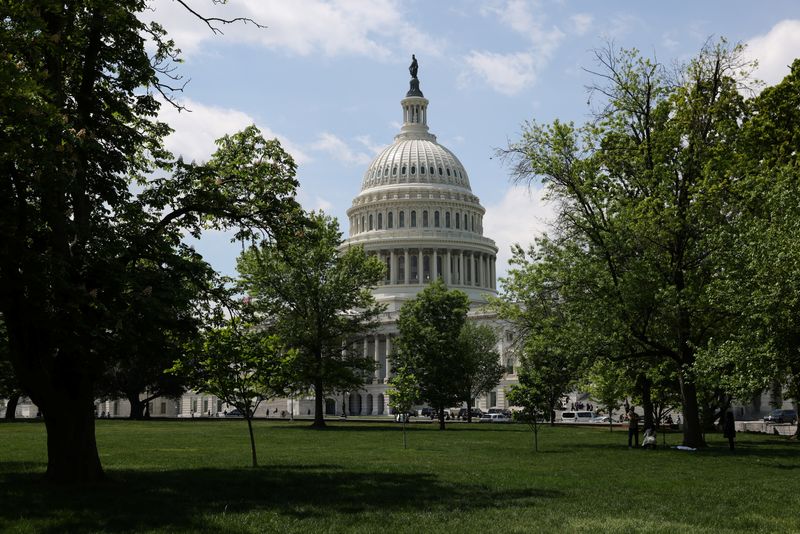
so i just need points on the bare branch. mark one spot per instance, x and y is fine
(211, 20)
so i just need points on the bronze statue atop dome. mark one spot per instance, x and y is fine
(413, 69)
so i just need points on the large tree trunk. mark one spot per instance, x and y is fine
(469, 410)
(11, 406)
(249, 416)
(692, 431)
(71, 447)
(137, 406)
(319, 398)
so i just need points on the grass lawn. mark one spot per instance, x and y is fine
(193, 476)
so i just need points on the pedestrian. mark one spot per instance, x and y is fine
(729, 428)
(633, 427)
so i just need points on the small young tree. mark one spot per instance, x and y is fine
(607, 384)
(430, 325)
(403, 395)
(239, 364)
(531, 396)
(480, 362)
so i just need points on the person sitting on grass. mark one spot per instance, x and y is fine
(649, 439)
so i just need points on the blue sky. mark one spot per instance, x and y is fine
(326, 78)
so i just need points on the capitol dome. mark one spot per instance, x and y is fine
(417, 212)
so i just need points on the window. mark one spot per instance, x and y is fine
(432, 172)
(394, 171)
(194, 405)
(205, 405)
(380, 221)
(510, 366)
(473, 223)
(422, 169)
(440, 171)
(386, 171)
(492, 399)
(426, 267)
(163, 408)
(413, 170)
(390, 220)
(458, 220)
(436, 219)
(402, 219)
(425, 219)
(448, 171)
(363, 226)
(465, 221)
(447, 219)
(414, 267)
(413, 219)
(370, 221)
(509, 336)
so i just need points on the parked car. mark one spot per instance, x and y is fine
(600, 419)
(494, 418)
(500, 410)
(427, 412)
(577, 417)
(781, 416)
(234, 413)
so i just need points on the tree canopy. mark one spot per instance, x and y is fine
(317, 297)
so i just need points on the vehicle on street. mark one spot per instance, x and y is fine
(494, 418)
(577, 417)
(600, 419)
(476, 413)
(503, 411)
(234, 413)
(781, 416)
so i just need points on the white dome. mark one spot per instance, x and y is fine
(415, 161)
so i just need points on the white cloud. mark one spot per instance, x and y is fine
(302, 27)
(519, 217)
(507, 74)
(775, 50)
(581, 22)
(371, 145)
(314, 202)
(197, 129)
(338, 149)
(510, 73)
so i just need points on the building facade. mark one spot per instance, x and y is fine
(417, 213)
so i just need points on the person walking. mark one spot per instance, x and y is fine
(633, 427)
(729, 428)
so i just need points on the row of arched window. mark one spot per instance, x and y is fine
(427, 219)
(412, 170)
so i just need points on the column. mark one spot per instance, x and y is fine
(375, 409)
(448, 278)
(388, 357)
(408, 267)
(434, 271)
(377, 359)
(392, 268)
(473, 267)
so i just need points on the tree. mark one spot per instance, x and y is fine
(240, 364)
(553, 336)
(531, 394)
(428, 346)
(318, 299)
(642, 191)
(78, 93)
(607, 385)
(165, 302)
(403, 395)
(480, 362)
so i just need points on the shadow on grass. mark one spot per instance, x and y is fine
(133, 501)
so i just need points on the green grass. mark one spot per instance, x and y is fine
(193, 476)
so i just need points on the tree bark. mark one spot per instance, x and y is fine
(692, 431)
(71, 447)
(647, 401)
(137, 406)
(249, 416)
(11, 406)
(319, 413)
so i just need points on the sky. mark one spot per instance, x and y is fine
(326, 78)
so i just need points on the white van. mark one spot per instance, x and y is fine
(577, 417)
